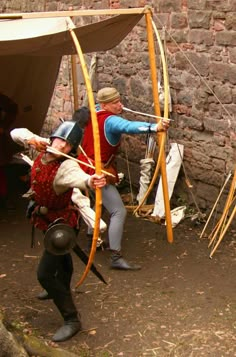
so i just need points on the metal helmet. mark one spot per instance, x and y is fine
(59, 239)
(70, 132)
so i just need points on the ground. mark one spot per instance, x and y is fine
(181, 303)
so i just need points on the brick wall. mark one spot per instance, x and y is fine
(200, 40)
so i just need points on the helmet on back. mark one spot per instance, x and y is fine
(70, 132)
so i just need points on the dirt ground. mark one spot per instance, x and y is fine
(181, 303)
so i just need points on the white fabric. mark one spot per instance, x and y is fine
(87, 213)
(146, 166)
(21, 135)
(177, 215)
(173, 164)
(29, 28)
(70, 175)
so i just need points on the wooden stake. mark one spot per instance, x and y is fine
(217, 200)
(221, 223)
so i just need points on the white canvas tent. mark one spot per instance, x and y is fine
(31, 50)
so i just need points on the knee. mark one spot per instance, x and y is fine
(120, 213)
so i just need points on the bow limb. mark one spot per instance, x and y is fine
(96, 139)
(163, 163)
(161, 137)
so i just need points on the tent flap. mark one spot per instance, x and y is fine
(50, 36)
(30, 55)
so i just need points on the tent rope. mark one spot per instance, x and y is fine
(196, 70)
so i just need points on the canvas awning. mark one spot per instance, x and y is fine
(31, 52)
(50, 36)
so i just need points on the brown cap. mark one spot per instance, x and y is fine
(107, 94)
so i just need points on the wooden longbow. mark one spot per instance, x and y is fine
(97, 151)
(161, 137)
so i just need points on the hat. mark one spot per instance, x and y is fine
(107, 95)
(59, 239)
(69, 131)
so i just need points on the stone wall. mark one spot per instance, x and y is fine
(199, 38)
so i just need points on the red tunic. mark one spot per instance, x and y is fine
(107, 150)
(42, 177)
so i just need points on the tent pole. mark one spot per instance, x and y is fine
(161, 137)
(73, 13)
(74, 82)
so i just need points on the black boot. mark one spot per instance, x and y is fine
(68, 330)
(72, 323)
(118, 262)
(43, 295)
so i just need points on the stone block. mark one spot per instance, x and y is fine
(200, 36)
(224, 93)
(196, 5)
(180, 36)
(232, 54)
(179, 20)
(223, 72)
(190, 122)
(170, 5)
(199, 61)
(199, 19)
(226, 38)
(219, 5)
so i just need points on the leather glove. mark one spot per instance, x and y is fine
(39, 145)
(163, 125)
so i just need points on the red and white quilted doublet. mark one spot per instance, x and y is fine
(42, 177)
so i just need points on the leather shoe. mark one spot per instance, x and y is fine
(43, 295)
(68, 330)
(122, 264)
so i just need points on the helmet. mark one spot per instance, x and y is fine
(59, 239)
(70, 132)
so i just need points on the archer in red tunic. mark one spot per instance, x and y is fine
(111, 127)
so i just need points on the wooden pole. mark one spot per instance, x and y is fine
(74, 82)
(74, 13)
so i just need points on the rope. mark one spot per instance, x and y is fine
(189, 185)
(196, 70)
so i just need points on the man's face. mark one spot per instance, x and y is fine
(61, 145)
(115, 107)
